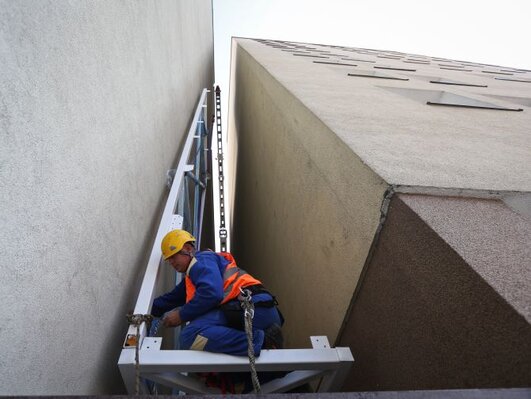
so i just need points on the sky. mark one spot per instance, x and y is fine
(487, 31)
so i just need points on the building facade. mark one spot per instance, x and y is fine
(386, 199)
(95, 99)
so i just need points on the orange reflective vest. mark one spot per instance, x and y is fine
(234, 278)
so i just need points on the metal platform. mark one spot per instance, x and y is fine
(175, 368)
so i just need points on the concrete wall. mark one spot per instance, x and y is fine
(428, 315)
(442, 296)
(94, 100)
(389, 126)
(306, 207)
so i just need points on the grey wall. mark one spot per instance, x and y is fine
(426, 316)
(442, 297)
(95, 98)
(302, 224)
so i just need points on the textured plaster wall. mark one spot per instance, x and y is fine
(306, 207)
(94, 100)
(389, 126)
(443, 301)
(428, 315)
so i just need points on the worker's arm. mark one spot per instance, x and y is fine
(169, 301)
(208, 284)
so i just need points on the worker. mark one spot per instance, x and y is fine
(206, 301)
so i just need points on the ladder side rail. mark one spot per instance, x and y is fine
(147, 289)
(205, 139)
(200, 173)
(201, 214)
(196, 179)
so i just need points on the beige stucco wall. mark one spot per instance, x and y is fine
(388, 124)
(95, 98)
(319, 136)
(445, 299)
(306, 207)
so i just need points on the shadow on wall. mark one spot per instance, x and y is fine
(424, 319)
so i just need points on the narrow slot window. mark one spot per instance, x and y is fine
(389, 57)
(474, 106)
(451, 65)
(456, 69)
(443, 81)
(512, 70)
(444, 98)
(374, 74)
(296, 51)
(310, 55)
(497, 73)
(395, 69)
(453, 100)
(416, 62)
(357, 60)
(333, 63)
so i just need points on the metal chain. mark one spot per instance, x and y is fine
(248, 314)
(154, 330)
(136, 320)
(222, 226)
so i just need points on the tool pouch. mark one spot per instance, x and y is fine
(233, 310)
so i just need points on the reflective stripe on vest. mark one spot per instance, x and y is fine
(234, 278)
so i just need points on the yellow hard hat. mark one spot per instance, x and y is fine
(174, 241)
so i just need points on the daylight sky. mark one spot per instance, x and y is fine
(494, 32)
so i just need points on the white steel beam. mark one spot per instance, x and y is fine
(127, 370)
(303, 365)
(333, 382)
(145, 297)
(291, 380)
(151, 343)
(182, 382)
(165, 367)
(192, 385)
(269, 360)
(146, 294)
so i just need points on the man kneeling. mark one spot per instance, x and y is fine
(207, 301)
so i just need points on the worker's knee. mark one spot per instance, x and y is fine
(220, 339)
(266, 317)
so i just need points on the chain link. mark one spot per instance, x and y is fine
(136, 320)
(222, 225)
(248, 314)
(154, 330)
